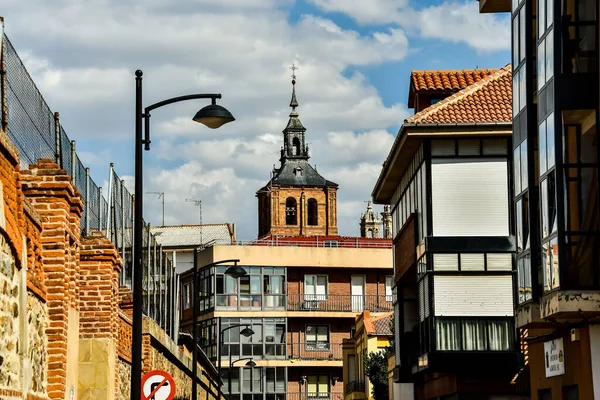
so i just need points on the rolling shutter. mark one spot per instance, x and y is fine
(475, 296)
(470, 197)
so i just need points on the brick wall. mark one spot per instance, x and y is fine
(53, 196)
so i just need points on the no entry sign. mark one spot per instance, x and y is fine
(158, 385)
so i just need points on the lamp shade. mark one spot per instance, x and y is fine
(251, 364)
(235, 271)
(213, 116)
(246, 332)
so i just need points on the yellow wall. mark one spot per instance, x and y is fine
(300, 256)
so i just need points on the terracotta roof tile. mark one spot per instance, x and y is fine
(430, 80)
(486, 99)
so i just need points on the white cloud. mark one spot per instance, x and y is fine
(456, 21)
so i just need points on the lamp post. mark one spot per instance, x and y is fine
(246, 332)
(195, 319)
(212, 116)
(250, 364)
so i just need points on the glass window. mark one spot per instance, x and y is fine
(500, 335)
(543, 157)
(541, 77)
(570, 392)
(389, 283)
(541, 17)
(544, 207)
(522, 89)
(515, 91)
(275, 378)
(474, 335)
(517, 167)
(522, 35)
(524, 168)
(550, 141)
(315, 287)
(519, 225)
(187, 296)
(549, 55)
(553, 249)
(317, 337)
(447, 334)
(317, 386)
(549, 12)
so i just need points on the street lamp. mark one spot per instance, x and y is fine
(212, 116)
(246, 332)
(250, 364)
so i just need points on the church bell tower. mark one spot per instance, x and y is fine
(297, 200)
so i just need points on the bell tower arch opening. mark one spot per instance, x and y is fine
(291, 211)
(312, 214)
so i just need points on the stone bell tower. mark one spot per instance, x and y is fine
(369, 223)
(297, 200)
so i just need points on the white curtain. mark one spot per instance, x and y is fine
(447, 335)
(474, 335)
(499, 335)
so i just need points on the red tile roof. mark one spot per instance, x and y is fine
(488, 99)
(444, 81)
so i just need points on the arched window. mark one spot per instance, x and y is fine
(296, 144)
(313, 214)
(370, 234)
(290, 211)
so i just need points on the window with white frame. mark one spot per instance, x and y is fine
(317, 337)
(389, 284)
(187, 296)
(315, 287)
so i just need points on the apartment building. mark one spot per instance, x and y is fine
(276, 328)
(299, 300)
(555, 191)
(447, 181)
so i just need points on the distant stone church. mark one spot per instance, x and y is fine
(297, 200)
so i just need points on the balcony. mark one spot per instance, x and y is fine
(315, 351)
(304, 302)
(355, 386)
(339, 302)
(314, 396)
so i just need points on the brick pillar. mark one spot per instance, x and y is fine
(59, 205)
(100, 264)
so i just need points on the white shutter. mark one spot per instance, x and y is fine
(421, 301)
(474, 296)
(445, 262)
(499, 262)
(426, 295)
(472, 262)
(470, 197)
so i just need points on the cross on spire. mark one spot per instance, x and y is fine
(294, 68)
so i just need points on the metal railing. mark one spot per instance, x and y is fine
(37, 133)
(338, 302)
(315, 396)
(315, 241)
(315, 351)
(355, 386)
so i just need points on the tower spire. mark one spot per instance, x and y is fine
(294, 101)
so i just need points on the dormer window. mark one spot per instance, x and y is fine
(298, 171)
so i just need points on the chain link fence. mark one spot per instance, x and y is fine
(37, 133)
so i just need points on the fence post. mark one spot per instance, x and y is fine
(3, 78)
(74, 164)
(57, 139)
(100, 213)
(148, 271)
(123, 230)
(132, 238)
(87, 200)
(110, 194)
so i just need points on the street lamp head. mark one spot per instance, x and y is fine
(251, 364)
(246, 332)
(235, 271)
(213, 115)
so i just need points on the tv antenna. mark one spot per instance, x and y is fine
(198, 203)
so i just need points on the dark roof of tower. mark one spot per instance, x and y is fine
(289, 174)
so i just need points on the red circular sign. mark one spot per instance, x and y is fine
(158, 385)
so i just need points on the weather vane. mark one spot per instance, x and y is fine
(294, 68)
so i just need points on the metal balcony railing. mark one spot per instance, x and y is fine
(315, 351)
(355, 386)
(338, 302)
(315, 396)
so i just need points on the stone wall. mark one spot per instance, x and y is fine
(10, 311)
(124, 380)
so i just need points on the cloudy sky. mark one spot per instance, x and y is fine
(354, 59)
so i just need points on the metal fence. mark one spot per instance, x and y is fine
(37, 133)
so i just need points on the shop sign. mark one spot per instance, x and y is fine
(554, 355)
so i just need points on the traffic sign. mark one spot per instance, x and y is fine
(158, 385)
